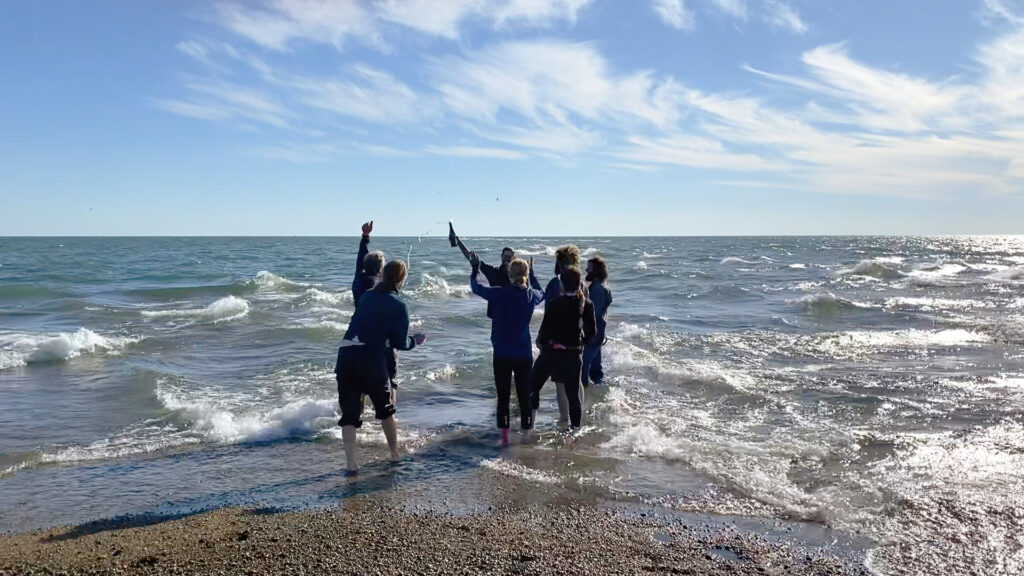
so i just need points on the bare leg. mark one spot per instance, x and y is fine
(348, 434)
(563, 403)
(391, 433)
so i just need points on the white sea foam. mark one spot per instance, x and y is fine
(798, 266)
(735, 260)
(334, 298)
(221, 418)
(222, 310)
(925, 303)
(433, 285)
(877, 339)
(269, 280)
(732, 451)
(510, 468)
(640, 266)
(19, 349)
(444, 373)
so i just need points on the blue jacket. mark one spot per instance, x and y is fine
(498, 278)
(381, 321)
(362, 281)
(511, 308)
(601, 296)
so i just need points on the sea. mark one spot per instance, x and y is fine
(870, 385)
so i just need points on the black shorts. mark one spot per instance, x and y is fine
(362, 370)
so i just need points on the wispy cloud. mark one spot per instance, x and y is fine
(832, 123)
(675, 13)
(218, 100)
(733, 8)
(782, 15)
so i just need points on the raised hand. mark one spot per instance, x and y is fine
(474, 260)
(419, 338)
(367, 228)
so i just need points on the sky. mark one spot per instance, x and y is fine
(511, 117)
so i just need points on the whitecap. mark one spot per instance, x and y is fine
(222, 310)
(433, 285)
(18, 349)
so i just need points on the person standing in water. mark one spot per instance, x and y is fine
(568, 324)
(601, 296)
(567, 256)
(368, 268)
(381, 321)
(511, 310)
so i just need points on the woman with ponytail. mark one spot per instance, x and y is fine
(567, 326)
(381, 321)
(510, 307)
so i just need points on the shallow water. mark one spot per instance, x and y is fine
(875, 385)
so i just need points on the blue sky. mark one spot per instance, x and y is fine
(513, 117)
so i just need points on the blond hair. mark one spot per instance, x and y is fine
(568, 256)
(519, 272)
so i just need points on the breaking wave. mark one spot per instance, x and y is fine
(21, 349)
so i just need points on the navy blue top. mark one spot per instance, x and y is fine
(601, 296)
(362, 281)
(381, 321)
(511, 308)
(498, 278)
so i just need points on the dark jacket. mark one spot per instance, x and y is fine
(511, 308)
(381, 321)
(601, 296)
(362, 281)
(554, 290)
(569, 321)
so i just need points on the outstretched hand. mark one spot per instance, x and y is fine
(367, 228)
(419, 338)
(474, 260)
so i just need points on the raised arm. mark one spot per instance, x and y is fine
(364, 249)
(484, 292)
(533, 278)
(458, 242)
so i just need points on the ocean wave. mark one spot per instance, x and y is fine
(798, 266)
(269, 280)
(17, 349)
(925, 303)
(640, 266)
(735, 260)
(912, 338)
(220, 420)
(432, 285)
(731, 451)
(1015, 274)
(827, 303)
(222, 310)
(873, 268)
(335, 298)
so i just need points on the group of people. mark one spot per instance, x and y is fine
(570, 338)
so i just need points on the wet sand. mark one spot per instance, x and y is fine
(364, 536)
